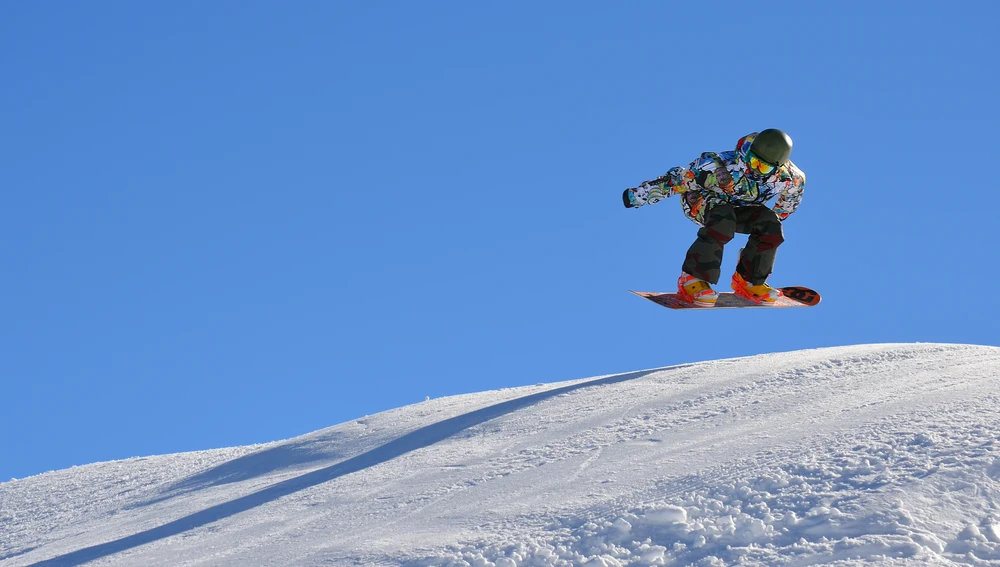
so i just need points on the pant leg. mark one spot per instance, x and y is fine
(764, 227)
(704, 258)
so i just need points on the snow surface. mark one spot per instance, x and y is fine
(872, 454)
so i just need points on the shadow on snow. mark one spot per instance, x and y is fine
(259, 463)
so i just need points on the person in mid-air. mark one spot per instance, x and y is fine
(726, 193)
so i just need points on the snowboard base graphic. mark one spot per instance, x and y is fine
(793, 296)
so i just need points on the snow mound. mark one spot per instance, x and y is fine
(860, 498)
(872, 454)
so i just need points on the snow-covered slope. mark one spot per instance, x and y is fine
(885, 454)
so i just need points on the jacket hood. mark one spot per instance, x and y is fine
(743, 146)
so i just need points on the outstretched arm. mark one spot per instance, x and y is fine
(677, 180)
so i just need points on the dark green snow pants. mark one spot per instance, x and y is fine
(722, 222)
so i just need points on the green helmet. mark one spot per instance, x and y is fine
(773, 146)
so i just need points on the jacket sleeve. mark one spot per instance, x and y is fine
(794, 181)
(677, 180)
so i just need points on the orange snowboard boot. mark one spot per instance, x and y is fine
(762, 293)
(696, 291)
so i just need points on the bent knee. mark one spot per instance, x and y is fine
(720, 236)
(772, 239)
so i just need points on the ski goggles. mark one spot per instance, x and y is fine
(760, 166)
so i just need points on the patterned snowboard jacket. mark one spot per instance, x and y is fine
(723, 177)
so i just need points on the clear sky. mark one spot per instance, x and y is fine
(229, 222)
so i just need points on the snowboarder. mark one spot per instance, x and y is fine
(726, 193)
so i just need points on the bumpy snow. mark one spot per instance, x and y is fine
(873, 454)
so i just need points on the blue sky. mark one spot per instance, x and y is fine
(235, 222)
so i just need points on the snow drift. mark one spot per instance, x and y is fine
(884, 454)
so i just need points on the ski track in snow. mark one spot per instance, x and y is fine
(871, 454)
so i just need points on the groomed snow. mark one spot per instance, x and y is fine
(873, 454)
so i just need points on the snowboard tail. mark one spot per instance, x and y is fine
(791, 296)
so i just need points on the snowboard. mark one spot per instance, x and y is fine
(792, 296)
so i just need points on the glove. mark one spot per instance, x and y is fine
(627, 197)
(639, 196)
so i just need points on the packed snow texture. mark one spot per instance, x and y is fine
(873, 454)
